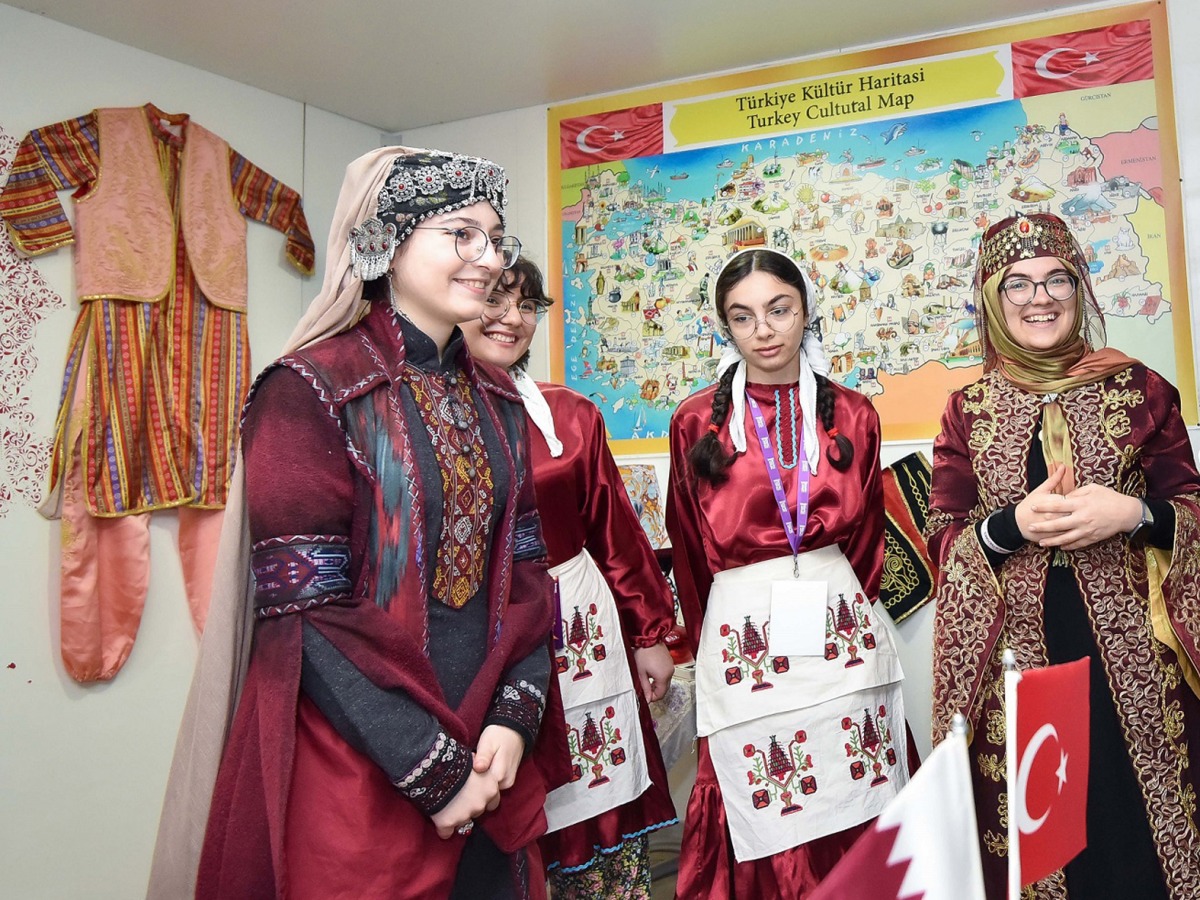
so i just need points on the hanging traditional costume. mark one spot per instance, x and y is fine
(400, 602)
(611, 598)
(1131, 606)
(797, 752)
(159, 362)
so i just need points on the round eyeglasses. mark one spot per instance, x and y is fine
(780, 320)
(497, 305)
(1021, 291)
(471, 242)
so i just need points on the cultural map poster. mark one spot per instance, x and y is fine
(878, 172)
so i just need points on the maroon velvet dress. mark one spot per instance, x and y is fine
(736, 524)
(583, 506)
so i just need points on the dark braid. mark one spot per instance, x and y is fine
(825, 401)
(707, 457)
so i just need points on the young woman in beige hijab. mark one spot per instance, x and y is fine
(1065, 517)
(390, 567)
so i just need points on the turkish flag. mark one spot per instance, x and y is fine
(1048, 743)
(925, 843)
(1115, 54)
(614, 135)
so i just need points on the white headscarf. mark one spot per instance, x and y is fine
(812, 363)
(537, 408)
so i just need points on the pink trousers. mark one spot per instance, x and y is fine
(106, 574)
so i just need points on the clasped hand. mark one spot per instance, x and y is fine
(1081, 518)
(494, 769)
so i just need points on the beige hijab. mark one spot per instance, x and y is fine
(1080, 358)
(225, 646)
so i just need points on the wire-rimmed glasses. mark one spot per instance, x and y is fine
(779, 319)
(471, 242)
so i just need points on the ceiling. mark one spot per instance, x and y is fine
(402, 64)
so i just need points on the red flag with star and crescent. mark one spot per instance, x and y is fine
(1115, 54)
(613, 135)
(1048, 745)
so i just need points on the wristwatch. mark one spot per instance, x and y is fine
(1143, 526)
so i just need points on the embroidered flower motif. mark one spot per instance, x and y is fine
(400, 187)
(460, 172)
(429, 180)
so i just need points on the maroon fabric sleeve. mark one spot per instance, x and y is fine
(863, 545)
(618, 544)
(298, 479)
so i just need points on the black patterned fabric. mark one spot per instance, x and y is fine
(908, 573)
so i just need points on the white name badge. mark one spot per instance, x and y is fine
(798, 617)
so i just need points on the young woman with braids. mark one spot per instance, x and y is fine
(778, 544)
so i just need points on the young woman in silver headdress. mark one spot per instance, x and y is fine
(778, 542)
(614, 612)
(400, 602)
(1065, 517)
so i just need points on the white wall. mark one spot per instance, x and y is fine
(82, 768)
(521, 135)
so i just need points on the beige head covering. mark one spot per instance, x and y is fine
(225, 647)
(1080, 358)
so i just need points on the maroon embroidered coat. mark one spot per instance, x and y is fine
(1126, 434)
(401, 606)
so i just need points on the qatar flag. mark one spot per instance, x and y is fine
(613, 135)
(1047, 716)
(1115, 54)
(924, 845)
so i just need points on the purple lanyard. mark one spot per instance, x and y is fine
(794, 532)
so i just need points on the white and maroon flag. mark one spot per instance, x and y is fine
(1047, 715)
(924, 845)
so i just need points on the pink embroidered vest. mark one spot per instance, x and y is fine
(125, 227)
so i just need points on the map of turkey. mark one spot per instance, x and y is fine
(886, 216)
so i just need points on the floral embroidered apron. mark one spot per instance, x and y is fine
(803, 746)
(608, 758)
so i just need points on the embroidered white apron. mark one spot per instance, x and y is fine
(608, 758)
(803, 746)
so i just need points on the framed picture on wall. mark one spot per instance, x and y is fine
(878, 171)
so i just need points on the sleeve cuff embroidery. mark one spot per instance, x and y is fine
(518, 705)
(437, 777)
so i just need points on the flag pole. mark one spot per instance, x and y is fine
(958, 726)
(1012, 676)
